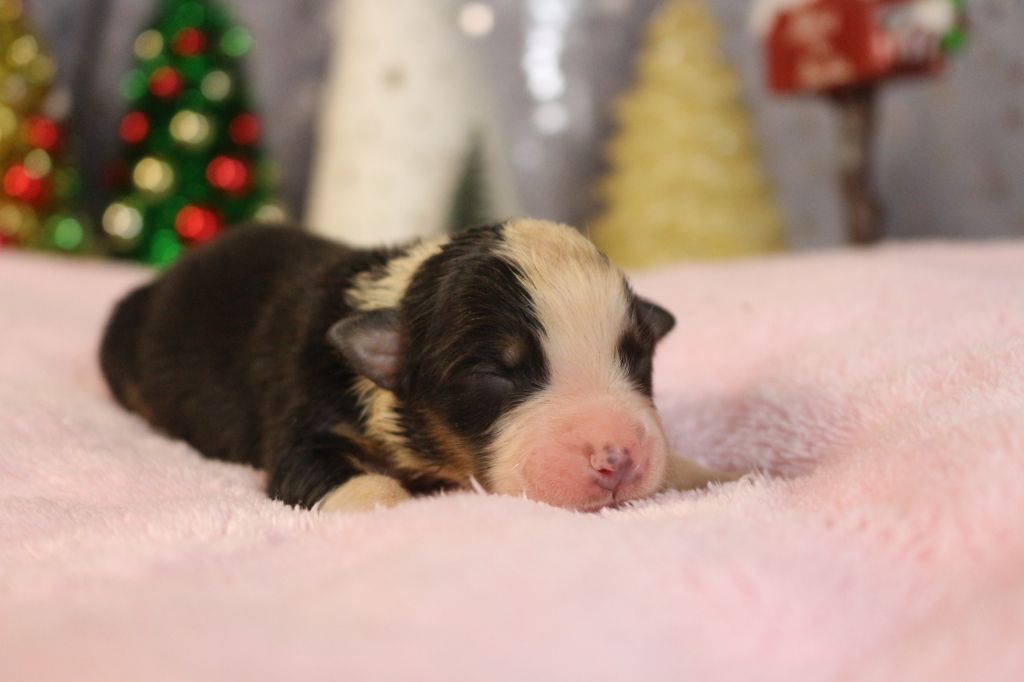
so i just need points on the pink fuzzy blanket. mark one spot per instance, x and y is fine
(882, 391)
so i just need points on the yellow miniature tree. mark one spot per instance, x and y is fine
(39, 186)
(686, 179)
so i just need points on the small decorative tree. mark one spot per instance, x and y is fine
(686, 180)
(471, 204)
(192, 164)
(40, 186)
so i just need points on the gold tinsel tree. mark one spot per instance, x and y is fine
(686, 179)
(38, 185)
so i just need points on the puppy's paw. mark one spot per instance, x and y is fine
(683, 474)
(364, 493)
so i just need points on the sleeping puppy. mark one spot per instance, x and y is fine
(515, 356)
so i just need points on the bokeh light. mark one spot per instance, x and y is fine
(149, 44)
(153, 175)
(166, 83)
(216, 86)
(197, 224)
(68, 233)
(38, 163)
(190, 128)
(236, 42)
(228, 174)
(134, 127)
(122, 221)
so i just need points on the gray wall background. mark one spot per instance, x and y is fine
(951, 159)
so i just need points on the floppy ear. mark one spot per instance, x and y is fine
(371, 342)
(657, 319)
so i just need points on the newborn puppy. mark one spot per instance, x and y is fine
(515, 355)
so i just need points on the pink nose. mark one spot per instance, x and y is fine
(613, 467)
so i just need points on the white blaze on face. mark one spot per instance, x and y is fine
(550, 446)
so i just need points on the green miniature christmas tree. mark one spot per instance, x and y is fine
(471, 204)
(192, 164)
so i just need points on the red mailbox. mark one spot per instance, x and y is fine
(830, 44)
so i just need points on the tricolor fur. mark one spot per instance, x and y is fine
(514, 355)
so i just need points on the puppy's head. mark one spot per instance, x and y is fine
(522, 347)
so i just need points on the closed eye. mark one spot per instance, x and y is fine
(494, 380)
(480, 396)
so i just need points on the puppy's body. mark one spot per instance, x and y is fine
(360, 376)
(227, 351)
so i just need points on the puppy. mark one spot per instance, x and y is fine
(515, 356)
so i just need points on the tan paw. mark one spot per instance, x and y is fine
(683, 474)
(364, 493)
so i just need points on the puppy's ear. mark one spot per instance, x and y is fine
(371, 342)
(657, 319)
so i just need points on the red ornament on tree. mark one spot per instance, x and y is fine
(245, 129)
(42, 132)
(228, 174)
(197, 224)
(134, 127)
(189, 42)
(166, 83)
(21, 185)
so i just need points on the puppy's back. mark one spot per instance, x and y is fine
(180, 351)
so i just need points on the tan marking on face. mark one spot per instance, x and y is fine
(459, 462)
(380, 412)
(380, 409)
(377, 290)
(371, 458)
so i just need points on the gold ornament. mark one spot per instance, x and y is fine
(22, 51)
(17, 222)
(149, 44)
(190, 128)
(153, 175)
(38, 164)
(123, 223)
(270, 213)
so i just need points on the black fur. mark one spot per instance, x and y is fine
(248, 350)
(466, 307)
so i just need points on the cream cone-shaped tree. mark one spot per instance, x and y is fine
(686, 179)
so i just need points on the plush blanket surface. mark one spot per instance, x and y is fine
(880, 393)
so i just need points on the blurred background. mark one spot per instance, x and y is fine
(668, 128)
